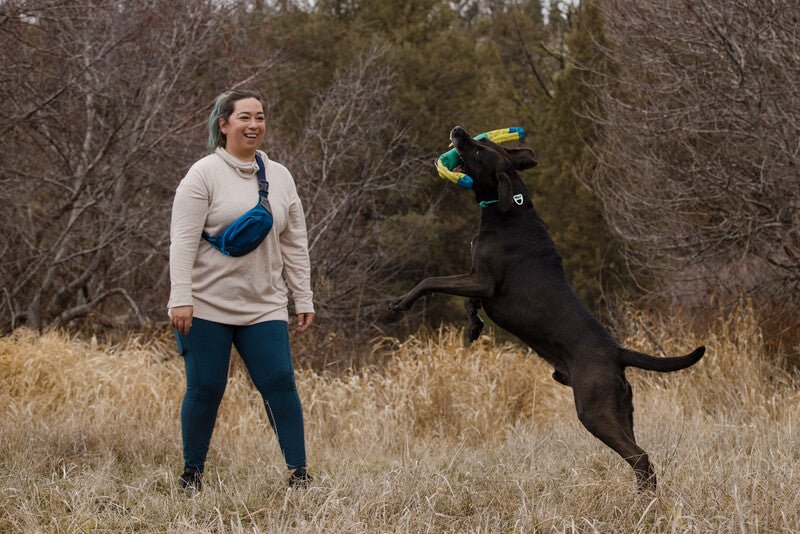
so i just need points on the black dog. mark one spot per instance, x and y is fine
(517, 277)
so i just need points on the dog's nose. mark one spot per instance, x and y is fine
(456, 134)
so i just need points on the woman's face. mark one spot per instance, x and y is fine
(244, 128)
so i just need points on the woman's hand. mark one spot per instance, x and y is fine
(304, 320)
(181, 318)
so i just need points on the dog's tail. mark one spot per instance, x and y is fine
(663, 365)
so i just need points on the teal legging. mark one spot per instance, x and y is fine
(264, 347)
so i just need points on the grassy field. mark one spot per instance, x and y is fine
(442, 439)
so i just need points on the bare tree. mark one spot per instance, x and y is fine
(352, 167)
(699, 159)
(102, 101)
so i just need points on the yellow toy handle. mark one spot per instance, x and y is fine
(504, 135)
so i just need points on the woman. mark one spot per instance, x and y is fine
(217, 300)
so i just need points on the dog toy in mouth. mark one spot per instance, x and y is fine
(447, 162)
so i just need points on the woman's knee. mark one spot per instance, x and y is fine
(207, 391)
(278, 380)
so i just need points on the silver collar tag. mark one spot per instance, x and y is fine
(519, 199)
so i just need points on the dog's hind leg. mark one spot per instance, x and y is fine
(626, 420)
(605, 407)
(627, 409)
(475, 322)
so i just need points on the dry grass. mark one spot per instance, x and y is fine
(443, 439)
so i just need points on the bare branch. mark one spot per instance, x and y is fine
(699, 158)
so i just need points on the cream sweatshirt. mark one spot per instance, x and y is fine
(252, 288)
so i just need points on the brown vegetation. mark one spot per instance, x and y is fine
(443, 438)
(698, 158)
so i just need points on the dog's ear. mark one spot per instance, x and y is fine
(505, 192)
(522, 158)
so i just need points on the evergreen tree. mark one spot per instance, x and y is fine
(563, 144)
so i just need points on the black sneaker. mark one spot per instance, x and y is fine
(300, 478)
(191, 480)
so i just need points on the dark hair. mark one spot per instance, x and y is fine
(223, 108)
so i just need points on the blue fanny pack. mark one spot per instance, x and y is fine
(248, 231)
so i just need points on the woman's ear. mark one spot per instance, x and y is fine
(522, 158)
(223, 125)
(505, 192)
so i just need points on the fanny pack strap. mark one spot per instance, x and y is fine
(263, 185)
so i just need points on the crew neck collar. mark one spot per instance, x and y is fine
(245, 168)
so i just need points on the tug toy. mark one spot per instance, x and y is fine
(450, 159)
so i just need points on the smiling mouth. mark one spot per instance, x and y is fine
(251, 135)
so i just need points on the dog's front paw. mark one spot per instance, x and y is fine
(399, 305)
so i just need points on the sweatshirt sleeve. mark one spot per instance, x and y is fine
(294, 250)
(189, 211)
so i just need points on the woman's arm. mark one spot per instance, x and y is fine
(189, 212)
(297, 266)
